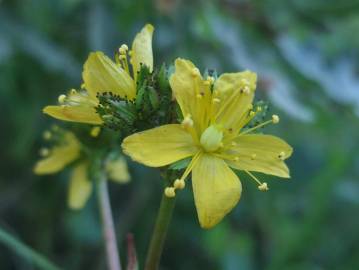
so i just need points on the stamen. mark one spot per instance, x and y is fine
(256, 127)
(123, 49)
(170, 192)
(61, 99)
(261, 186)
(124, 63)
(47, 135)
(44, 152)
(73, 92)
(275, 119)
(95, 131)
(179, 184)
(187, 122)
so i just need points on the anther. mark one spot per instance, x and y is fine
(259, 108)
(47, 135)
(123, 49)
(252, 113)
(61, 99)
(95, 131)
(253, 156)
(275, 119)
(246, 90)
(195, 72)
(263, 187)
(73, 91)
(236, 159)
(210, 79)
(44, 152)
(170, 192)
(187, 122)
(179, 184)
(281, 155)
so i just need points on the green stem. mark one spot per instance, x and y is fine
(159, 233)
(26, 252)
(113, 259)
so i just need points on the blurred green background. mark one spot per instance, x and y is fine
(306, 54)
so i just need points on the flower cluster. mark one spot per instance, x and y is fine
(202, 121)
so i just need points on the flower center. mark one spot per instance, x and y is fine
(211, 138)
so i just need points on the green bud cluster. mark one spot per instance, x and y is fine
(152, 106)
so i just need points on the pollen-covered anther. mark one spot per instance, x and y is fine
(275, 119)
(281, 155)
(123, 49)
(61, 99)
(187, 122)
(44, 152)
(179, 184)
(195, 72)
(263, 187)
(253, 156)
(170, 192)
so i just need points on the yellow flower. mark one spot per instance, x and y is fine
(212, 134)
(68, 151)
(100, 75)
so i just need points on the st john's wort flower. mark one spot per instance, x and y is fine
(214, 135)
(68, 150)
(102, 75)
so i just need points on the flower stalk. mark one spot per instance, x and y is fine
(113, 259)
(159, 233)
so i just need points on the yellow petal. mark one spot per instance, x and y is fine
(60, 156)
(234, 99)
(159, 146)
(117, 170)
(80, 187)
(187, 87)
(142, 49)
(216, 189)
(101, 74)
(81, 114)
(261, 153)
